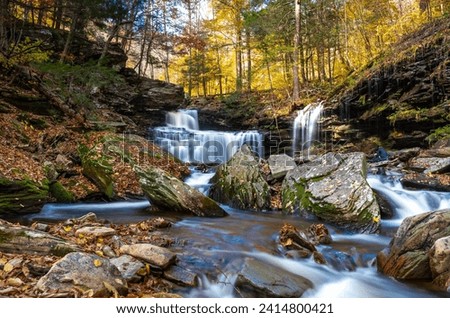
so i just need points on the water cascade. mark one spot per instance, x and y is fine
(407, 202)
(182, 138)
(307, 127)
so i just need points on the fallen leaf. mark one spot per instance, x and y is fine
(97, 263)
(14, 281)
(8, 268)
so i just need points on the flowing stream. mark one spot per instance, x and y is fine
(217, 247)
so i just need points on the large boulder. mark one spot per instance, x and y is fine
(259, 279)
(240, 184)
(333, 187)
(440, 262)
(408, 256)
(123, 165)
(280, 165)
(24, 240)
(171, 194)
(22, 196)
(84, 272)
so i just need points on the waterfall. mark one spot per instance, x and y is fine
(306, 127)
(182, 138)
(187, 118)
(407, 202)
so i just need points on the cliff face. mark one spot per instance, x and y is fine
(404, 95)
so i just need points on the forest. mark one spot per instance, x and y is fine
(216, 47)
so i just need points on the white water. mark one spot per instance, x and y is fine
(407, 202)
(244, 234)
(182, 138)
(200, 180)
(307, 127)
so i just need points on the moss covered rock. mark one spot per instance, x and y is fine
(334, 188)
(60, 193)
(171, 194)
(22, 196)
(240, 184)
(97, 167)
(24, 240)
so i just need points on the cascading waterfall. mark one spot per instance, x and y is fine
(307, 127)
(407, 202)
(182, 138)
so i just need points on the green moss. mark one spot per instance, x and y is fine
(61, 250)
(438, 134)
(60, 193)
(99, 170)
(22, 195)
(5, 237)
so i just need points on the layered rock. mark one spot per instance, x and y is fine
(406, 89)
(22, 239)
(240, 183)
(408, 256)
(22, 196)
(333, 187)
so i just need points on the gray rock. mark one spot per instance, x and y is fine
(21, 239)
(95, 231)
(108, 251)
(408, 254)
(154, 255)
(128, 267)
(430, 164)
(84, 272)
(172, 194)
(279, 165)
(181, 276)
(440, 262)
(259, 279)
(240, 184)
(42, 227)
(334, 188)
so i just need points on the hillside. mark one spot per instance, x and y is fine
(402, 97)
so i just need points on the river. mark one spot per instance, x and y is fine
(216, 248)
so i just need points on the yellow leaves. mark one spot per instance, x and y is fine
(14, 281)
(67, 228)
(376, 219)
(98, 263)
(8, 268)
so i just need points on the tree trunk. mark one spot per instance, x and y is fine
(297, 35)
(75, 16)
(238, 61)
(58, 14)
(249, 60)
(111, 35)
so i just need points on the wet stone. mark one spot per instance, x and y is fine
(181, 276)
(259, 279)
